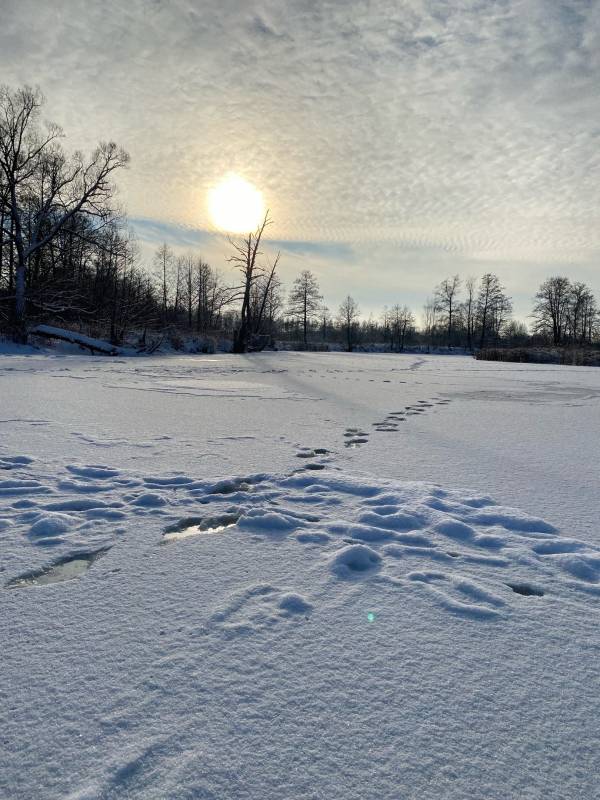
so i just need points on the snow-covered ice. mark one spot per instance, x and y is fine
(298, 576)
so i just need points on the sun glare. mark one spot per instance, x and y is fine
(236, 205)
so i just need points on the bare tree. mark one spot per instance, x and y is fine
(430, 312)
(583, 316)
(187, 270)
(259, 298)
(44, 188)
(163, 263)
(324, 321)
(178, 281)
(565, 312)
(469, 311)
(400, 320)
(246, 260)
(493, 308)
(206, 291)
(274, 302)
(348, 317)
(304, 301)
(446, 298)
(550, 312)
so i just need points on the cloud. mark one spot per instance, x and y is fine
(154, 231)
(466, 133)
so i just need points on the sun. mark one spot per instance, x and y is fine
(236, 205)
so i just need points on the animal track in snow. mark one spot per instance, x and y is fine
(14, 462)
(319, 458)
(481, 560)
(259, 607)
(395, 533)
(390, 424)
(460, 595)
(355, 437)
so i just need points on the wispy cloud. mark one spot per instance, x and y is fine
(467, 131)
(335, 251)
(153, 231)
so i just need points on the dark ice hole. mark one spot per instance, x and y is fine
(525, 589)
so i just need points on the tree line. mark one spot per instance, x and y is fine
(67, 257)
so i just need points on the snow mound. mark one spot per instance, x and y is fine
(52, 526)
(292, 603)
(268, 522)
(150, 500)
(354, 559)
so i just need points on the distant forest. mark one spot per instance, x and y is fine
(68, 259)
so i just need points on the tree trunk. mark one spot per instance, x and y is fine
(20, 328)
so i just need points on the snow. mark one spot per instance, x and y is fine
(208, 593)
(76, 338)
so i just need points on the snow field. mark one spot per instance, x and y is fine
(261, 578)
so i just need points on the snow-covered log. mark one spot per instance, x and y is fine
(93, 345)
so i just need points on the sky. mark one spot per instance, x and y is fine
(395, 143)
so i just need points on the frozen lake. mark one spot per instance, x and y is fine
(322, 575)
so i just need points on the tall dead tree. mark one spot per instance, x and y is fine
(246, 259)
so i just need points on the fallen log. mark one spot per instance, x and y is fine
(93, 345)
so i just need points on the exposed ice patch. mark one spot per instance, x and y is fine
(196, 526)
(65, 569)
